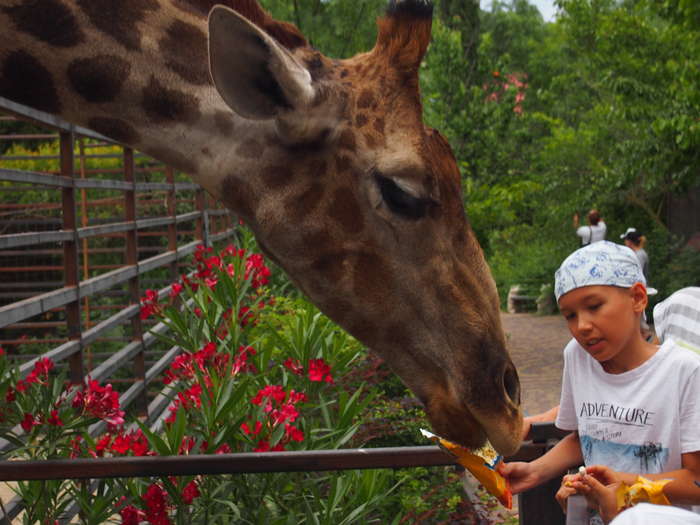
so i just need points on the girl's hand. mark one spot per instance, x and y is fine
(567, 489)
(521, 475)
(600, 495)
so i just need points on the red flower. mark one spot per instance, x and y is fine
(255, 431)
(149, 304)
(294, 366)
(223, 449)
(319, 370)
(10, 395)
(139, 444)
(176, 289)
(293, 433)
(131, 515)
(190, 492)
(155, 499)
(54, 419)
(122, 444)
(101, 402)
(263, 446)
(40, 373)
(28, 422)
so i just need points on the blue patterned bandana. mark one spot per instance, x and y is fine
(599, 263)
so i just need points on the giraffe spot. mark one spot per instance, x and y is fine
(223, 120)
(302, 205)
(337, 308)
(163, 105)
(345, 211)
(344, 73)
(364, 329)
(98, 79)
(361, 120)
(115, 129)
(366, 99)
(342, 163)
(329, 266)
(319, 239)
(371, 278)
(119, 19)
(317, 168)
(48, 20)
(174, 158)
(184, 48)
(250, 149)
(195, 7)
(276, 176)
(238, 195)
(26, 81)
(379, 125)
(370, 141)
(347, 140)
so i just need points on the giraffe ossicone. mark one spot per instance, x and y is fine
(327, 160)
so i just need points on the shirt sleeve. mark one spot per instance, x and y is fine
(690, 409)
(566, 418)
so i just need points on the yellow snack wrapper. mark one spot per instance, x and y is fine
(642, 490)
(482, 464)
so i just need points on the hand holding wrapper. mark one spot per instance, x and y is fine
(482, 464)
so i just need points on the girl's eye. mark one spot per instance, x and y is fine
(594, 307)
(401, 202)
(570, 317)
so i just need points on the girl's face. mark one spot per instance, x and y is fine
(605, 319)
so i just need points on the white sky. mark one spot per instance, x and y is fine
(546, 7)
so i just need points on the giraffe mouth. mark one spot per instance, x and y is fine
(454, 420)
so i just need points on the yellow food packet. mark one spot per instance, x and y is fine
(642, 490)
(482, 464)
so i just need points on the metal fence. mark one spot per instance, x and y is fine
(78, 246)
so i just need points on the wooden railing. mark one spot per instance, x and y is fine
(208, 224)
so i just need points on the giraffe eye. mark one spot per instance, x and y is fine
(400, 201)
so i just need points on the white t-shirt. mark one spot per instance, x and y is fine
(640, 421)
(590, 234)
(648, 514)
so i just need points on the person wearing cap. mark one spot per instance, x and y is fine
(594, 232)
(635, 241)
(630, 405)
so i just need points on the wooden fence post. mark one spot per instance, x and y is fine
(70, 254)
(132, 259)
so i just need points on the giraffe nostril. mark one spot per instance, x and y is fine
(511, 384)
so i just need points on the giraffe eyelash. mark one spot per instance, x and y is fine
(400, 201)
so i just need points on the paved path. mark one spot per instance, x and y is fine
(536, 343)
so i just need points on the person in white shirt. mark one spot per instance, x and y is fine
(594, 232)
(635, 241)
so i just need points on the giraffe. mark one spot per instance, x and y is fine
(327, 160)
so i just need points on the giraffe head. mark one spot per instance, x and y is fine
(327, 160)
(362, 205)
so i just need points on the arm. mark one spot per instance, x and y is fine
(576, 220)
(682, 490)
(524, 476)
(545, 417)
(601, 481)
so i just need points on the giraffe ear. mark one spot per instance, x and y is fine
(256, 77)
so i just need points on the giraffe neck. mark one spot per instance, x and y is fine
(135, 72)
